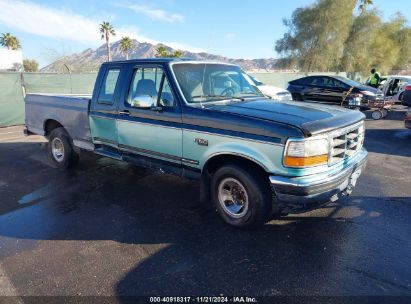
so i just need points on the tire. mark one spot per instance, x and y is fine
(376, 115)
(60, 149)
(297, 97)
(252, 192)
(400, 97)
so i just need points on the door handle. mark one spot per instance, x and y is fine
(125, 112)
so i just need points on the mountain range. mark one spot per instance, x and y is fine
(89, 60)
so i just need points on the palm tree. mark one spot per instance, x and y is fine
(126, 44)
(364, 4)
(107, 30)
(10, 42)
(177, 54)
(162, 52)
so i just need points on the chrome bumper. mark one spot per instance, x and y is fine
(304, 193)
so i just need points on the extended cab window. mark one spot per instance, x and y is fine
(150, 83)
(108, 87)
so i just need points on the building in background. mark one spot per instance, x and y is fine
(11, 60)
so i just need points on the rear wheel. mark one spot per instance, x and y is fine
(61, 150)
(242, 199)
(384, 113)
(377, 114)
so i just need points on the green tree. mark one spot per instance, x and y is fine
(126, 44)
(316, 35)
(357, 48)
(177, 54)
(374, 43)
(363, 5)
(163, 52)
(30, 65)
(400, 33)
(9, 41)
(107, 30)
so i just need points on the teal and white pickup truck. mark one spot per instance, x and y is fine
(256, 158)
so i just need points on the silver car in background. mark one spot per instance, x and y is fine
(394, 86)
(272, 92)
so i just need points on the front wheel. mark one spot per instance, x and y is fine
(61, 150)
(297, 97)
(242, 197)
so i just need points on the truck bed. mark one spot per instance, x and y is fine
(70, 111)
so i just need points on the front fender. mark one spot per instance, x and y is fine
(237, 150)
(265, 154)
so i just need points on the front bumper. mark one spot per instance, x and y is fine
(407, 121)
(299, 194)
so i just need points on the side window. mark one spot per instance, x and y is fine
(108, 87)
(340, 84)
(320, 82)
(167, 99)
(329, 82)
(309, 81)
(303, 81)
(150, 84)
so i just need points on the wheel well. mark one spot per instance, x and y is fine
(297, 96)
(216, 162)
(50, 125)
(213, 164)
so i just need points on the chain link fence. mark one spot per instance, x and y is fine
(12, 86)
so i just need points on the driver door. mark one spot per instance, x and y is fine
(150, 129)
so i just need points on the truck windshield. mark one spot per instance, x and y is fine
(208, 82)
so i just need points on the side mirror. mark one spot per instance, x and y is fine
(142, 101)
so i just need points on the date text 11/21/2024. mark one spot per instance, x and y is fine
(219, 299)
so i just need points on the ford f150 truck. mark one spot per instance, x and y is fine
(255, 158)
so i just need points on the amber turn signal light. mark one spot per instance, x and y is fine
(291, 161)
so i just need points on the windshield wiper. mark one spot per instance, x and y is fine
(251, 93)
(222, 97)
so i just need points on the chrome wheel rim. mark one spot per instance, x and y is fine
(57, 149)
(376, 115)
(233, 197)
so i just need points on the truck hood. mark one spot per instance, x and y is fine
(310, 118)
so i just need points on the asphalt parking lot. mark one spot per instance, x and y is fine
(110, 229)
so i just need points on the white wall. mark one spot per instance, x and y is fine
(9, 57)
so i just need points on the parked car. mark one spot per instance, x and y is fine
(273, 92)
(255, 158)
(407, 119)
(332, 90)
(394, 87)
(406, 96)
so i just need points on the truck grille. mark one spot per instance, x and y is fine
(345, 143)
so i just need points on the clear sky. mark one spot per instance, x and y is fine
(234, 28)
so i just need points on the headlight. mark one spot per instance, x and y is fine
(300, 153)
(285, 95)
(367, 93)
(275, 97)
(361, 131)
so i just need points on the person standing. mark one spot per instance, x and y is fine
(375, 79)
